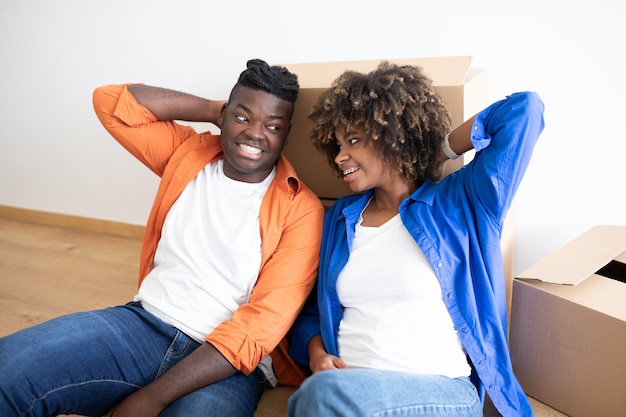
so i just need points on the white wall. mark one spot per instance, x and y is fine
(56, 157)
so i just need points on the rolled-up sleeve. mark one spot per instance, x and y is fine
(136, 128)
(504, 135)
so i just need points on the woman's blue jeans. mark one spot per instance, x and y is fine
(375, 393)
(85, 363)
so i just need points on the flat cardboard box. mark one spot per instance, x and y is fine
(568, 326)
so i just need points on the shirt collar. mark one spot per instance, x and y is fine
(286, 177)
(425, 194)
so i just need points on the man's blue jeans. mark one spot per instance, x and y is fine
(85, 363)
(375, 393)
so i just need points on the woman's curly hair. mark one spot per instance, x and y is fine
(403, 116)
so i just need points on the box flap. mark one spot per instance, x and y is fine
(580, 258)
(442, 70)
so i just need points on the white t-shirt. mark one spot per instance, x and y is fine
(208, 258)
(394, 315)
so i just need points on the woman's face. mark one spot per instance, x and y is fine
(359, 164)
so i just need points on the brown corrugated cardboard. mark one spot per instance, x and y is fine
(464, 91)
(568, 326)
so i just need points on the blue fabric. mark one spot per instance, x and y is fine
(84, 363)
(458, 225)
(372, 392)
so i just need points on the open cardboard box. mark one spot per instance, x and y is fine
(464, 91)
(568, 326)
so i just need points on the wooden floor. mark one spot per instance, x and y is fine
(46, 271)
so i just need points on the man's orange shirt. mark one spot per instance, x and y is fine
(290, 225)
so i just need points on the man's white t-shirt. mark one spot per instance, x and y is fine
(209, 255)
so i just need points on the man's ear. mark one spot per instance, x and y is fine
(220, 121)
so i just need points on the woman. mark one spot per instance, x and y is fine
(411, 306)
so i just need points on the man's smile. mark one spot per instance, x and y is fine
(249, 149)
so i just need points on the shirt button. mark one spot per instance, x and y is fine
(475, 127)
(465, 330)
(439, 265)
(449, 295)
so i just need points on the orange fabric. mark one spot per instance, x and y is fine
(286, 369)
(290, 224)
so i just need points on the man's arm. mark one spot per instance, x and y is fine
(173, 105)
(138, 129)
(203, 367)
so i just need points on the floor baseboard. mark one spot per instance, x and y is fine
(84, 224)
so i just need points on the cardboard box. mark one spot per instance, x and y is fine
(464, 91)
(568, 326)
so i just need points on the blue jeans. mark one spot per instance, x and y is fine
(85, 363)
(375, 393)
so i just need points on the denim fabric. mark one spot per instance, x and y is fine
(376, 393)
(84, 363)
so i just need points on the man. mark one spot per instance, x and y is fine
(230, 254)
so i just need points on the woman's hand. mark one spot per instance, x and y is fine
(326, 362)
(320, 360)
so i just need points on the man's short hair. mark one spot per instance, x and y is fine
(274, 79)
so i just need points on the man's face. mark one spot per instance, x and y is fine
(254, 129)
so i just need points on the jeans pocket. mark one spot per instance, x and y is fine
(181, 346)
